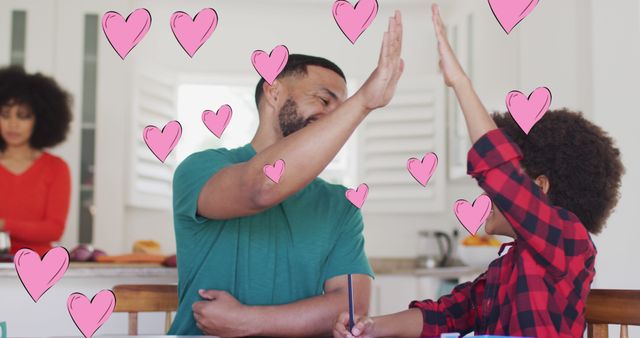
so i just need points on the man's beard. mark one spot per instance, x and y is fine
(290, 120)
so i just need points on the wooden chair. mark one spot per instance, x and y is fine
(146, 298)
(604, 307)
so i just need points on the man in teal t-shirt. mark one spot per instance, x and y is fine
(260, 258)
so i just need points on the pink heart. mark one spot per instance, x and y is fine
(423, 170)
(358, 196)
(472, 216)
(354, 20)
(217, 122)
(510, 12)
(39, 275)
(123, 34)
(162, 142)
(528, 111)
(192, 34)
(270, 66)
(274, 172)
(90, 315)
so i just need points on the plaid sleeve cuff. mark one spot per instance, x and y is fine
(432, 319)
(491, 150)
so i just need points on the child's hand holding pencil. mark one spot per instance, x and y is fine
(363, 327)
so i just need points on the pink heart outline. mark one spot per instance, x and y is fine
(472, 216)
(31, 274)
(421, 170)
(508, 15)
(274, 172)
(217, 121)
(87, 316)
(162, 145)
(185, 31)
(270, 66)
(117, 35)
(357, 197)
(528, 111)
(352, 21)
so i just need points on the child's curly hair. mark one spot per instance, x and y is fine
(49, 103)
(579, 159)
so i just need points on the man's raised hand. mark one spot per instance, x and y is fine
(380, 87)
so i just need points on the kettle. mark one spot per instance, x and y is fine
(435, 239)
(5, 242)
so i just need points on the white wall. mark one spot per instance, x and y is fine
(616, 51)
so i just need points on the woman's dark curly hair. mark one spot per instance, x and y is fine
(50, 104)
(579, 159)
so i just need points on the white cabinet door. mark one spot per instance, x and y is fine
(392, 294)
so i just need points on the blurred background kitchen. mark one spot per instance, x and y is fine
(585, 51)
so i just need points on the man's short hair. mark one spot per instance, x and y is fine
(297, 65)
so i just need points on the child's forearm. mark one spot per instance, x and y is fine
(479, 122)
(402, 324)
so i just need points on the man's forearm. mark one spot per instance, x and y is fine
(310, 317)
(479, 122)
(308, 151)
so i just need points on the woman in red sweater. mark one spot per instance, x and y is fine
(34, 185)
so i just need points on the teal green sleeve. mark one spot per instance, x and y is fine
(348, 256)
(189, 179)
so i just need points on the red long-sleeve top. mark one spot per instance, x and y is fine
(34, 204)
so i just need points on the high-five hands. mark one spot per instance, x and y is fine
(449, 64)
(379, 88)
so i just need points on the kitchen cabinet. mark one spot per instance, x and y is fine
(49, 316)
(393, 292)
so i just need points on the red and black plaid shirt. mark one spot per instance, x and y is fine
(538, 288)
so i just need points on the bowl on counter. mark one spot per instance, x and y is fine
(480, 255)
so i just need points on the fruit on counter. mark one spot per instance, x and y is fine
(170, 261)
(85, 253)
(81, 253)
(97, 253)
(147, 247)
(484, 240)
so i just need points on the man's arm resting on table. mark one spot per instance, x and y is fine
(313, 316)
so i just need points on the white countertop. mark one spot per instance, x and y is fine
(104, 270)
(77, 269)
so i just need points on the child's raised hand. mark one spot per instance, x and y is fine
(451, 69)
(362, 329)
(380, 87)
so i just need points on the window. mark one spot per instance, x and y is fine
(18, 34)
(193, 99)
(198, 94)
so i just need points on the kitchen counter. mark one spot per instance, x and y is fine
(408, 266)
(381, 266)
(79, 269)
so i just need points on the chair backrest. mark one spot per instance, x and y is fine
(604, 307)
(146, 298)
